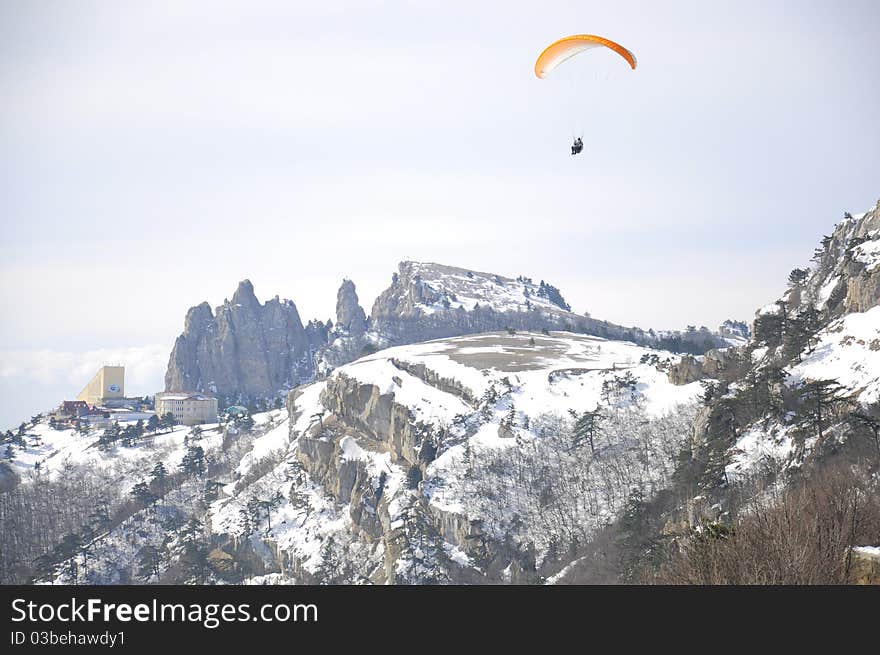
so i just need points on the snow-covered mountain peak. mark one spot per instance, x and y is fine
(421, 288)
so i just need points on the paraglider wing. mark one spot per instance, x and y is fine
(563, 49)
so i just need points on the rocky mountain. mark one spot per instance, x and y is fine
(244, 348)
(502, 456)
(467, 459)
(432, 301)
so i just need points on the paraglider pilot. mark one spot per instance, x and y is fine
(577, 146)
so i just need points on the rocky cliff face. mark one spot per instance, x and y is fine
(432, 301)
(350, 316)
(348, 338)
(243, 349)
(845, 276)
(247, 350)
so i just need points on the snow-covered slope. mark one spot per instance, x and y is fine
(108, 526)
(54, 450)
(825, 329)
(556, 372)
(399, 464)
(848, 352)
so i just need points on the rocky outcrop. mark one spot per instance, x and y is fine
(688, 370)
(374, 421)
(348, 338)
(845, 276)
(433, 301)
(350, 316)
(244, 349)
(715, 364)
(387, 425)
(378, 424)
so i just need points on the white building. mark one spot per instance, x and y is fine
(187, 407)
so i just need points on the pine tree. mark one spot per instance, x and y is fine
(149, 559)
(586, 428)
(194, 558)
(196, 433)
(99, 520)
(129, 435)
(65, 551)
(109, 436)
(142, 494)
(245, 521)
(510, 418)
(797, 276)
(818, 400)
(193, 462)
(168, 421)
(467, 459)
(153, 424)
(634, 537)
(158, 476)
(259, 506)
(490, 397)
(329, 571)
(809, 322)
(866, 420)
(769, 328)
(245, 422)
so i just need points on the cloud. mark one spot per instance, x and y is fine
(34, 381)
(144, 366)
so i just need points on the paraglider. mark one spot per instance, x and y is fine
(564, 49)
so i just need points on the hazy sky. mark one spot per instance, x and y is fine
(154, 154)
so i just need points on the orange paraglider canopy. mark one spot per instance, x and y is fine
(563, 49)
